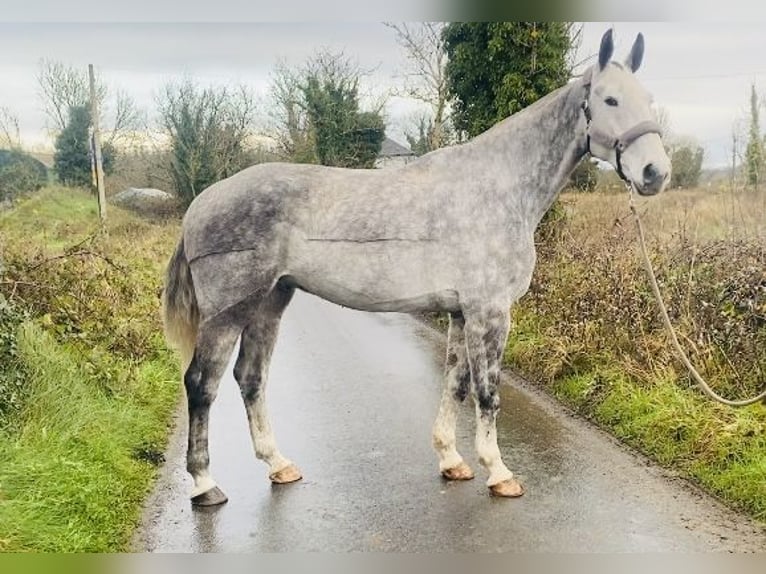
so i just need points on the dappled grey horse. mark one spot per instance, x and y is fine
(451, 231)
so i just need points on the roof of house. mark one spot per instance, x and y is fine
(390, 148)
(44, 157)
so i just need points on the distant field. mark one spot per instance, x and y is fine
(699, 215)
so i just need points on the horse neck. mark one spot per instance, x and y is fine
(537, 149)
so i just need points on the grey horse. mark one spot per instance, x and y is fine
(450, 232)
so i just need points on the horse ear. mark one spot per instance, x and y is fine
(636, 53)
(606, 50)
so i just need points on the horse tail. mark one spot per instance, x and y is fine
(180, 312)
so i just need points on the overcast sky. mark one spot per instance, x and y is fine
(700, 72)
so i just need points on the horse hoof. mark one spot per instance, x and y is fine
(212, 497)
(459, 472)
(286, 475)
(507, 489)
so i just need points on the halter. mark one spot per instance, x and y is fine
(618, 144)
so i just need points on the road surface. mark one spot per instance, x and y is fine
(352, 397)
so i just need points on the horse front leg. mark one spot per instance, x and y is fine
(486, 332)
(458, 382)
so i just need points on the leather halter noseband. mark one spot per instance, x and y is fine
(618, 144)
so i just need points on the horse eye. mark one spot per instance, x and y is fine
(610, 101)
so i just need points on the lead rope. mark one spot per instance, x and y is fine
(666, 319)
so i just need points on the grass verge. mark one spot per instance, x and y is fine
(589, 331)
(81, 446)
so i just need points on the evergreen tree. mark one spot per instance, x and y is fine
(754, 156)
(72, 158)
(496, 69)
(343, 136)
(318, 117)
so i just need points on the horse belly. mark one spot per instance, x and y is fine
(375, 276)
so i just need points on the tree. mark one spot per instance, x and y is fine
(63, 87)
(421, 142)
(343, 136)
(10, 137)
(208, 130)
(496, 69)
(72, 158)
(318, 115)
(426, 76)
(686, 159)
(754, 153)
(291, 131)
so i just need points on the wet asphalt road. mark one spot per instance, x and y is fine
(352, 397)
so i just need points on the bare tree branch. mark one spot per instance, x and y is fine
(425, 78)
(575, 30)
(128, 119)
(10, 136)
(62, 87)
(207, 129)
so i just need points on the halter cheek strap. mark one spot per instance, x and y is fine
(618, 144)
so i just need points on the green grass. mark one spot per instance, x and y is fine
(721, 449)
(79, 455)
(53, 216)
(73, 478)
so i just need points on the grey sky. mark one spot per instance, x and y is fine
(700, 72)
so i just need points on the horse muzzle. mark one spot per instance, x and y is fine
(653, 180)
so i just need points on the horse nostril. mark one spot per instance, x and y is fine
(651, 173)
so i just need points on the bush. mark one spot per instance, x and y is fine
(596, 299)
(12, 371)
(76, 295)
(19, 173)
(687, 165)
(585, 176)
(590, 330)
(98, 292)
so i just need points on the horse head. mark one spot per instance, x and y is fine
(621, 125)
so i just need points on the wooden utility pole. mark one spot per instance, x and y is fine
(733, 158)
(97, 146)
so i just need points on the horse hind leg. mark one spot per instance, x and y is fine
(458, 378)
(215, 342)
(251, 373)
